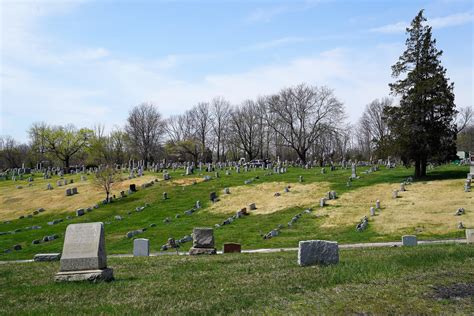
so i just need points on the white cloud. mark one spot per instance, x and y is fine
(436, 23)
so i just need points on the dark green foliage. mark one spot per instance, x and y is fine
(422, 126)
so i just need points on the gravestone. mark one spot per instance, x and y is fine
(231, 247)
(409, 240)
(312, 252)
(213, 196)
(252, 207)
(377, 204)
(402, 187)
(68, 192)
(372, 211)
(133, 187)
(141, 247)
(203, 242)
(354, 171)
(83, 256)
(470, 236)
(322, 202)
(394, 194)
(40, 257)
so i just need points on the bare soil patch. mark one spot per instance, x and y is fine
(263, 195)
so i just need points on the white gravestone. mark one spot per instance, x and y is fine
(470, 236)
(83, 256)
(141, 247)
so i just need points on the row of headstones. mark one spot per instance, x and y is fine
(84, 257)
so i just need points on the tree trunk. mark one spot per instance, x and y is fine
(417, 168)
(423, 168)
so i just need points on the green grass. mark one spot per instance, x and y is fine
(377, 280)
(246, 230)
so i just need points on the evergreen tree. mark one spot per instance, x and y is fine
(422, 126)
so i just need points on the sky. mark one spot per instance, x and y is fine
(90, 62)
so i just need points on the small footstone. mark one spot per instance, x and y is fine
(312, 252)
(409, 240)
(47, 257)
(231, 247)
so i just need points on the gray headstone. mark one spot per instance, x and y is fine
(203, 238)
(409, 240)
(312, 252)
(141, 247)
(84, 247)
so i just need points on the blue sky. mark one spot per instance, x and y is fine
(89, 62)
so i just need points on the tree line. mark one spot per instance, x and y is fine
(299, 123)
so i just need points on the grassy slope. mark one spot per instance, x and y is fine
(246, 230)
(380, 281)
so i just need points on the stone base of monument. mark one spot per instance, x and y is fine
(85, 275)
(202, 251)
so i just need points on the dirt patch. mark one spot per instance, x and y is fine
(187, 181)
(427, 207)
(15, 202)
(458, 290)
(263, 195)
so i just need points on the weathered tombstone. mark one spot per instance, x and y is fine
(83, 256)
(198, 204)
(409, 240)
(68, 192)
(354, 171)
(141, 247)
(203, 242)
(49, 186)
(322, 202)
(165, 196)
(470, 236)
(312, 252)
(213, 196)
(252, 207)
(40, 257)
(372, 211)
(80, 212)
(402, 187)
(377, 204)
(226, 191)
(231, 247)
(133, 187)
(74, 190)
(394, 194)
(300, 178)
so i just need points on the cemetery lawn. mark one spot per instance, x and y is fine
(426, 209)
(428, 279)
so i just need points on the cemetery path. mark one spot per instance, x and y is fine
(271, 250)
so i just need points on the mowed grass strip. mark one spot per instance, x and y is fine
(381, 281)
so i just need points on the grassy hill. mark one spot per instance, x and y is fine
(420, 210)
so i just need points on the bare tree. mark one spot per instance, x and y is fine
(202, 123)
(145, 128)
(104, 179)
(220, 116)
(302, 114)
(245, 127)
(464, 118)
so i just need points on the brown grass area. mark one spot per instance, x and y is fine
(187, 181)
(15, 202)
(300, 195)
(425, 207)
